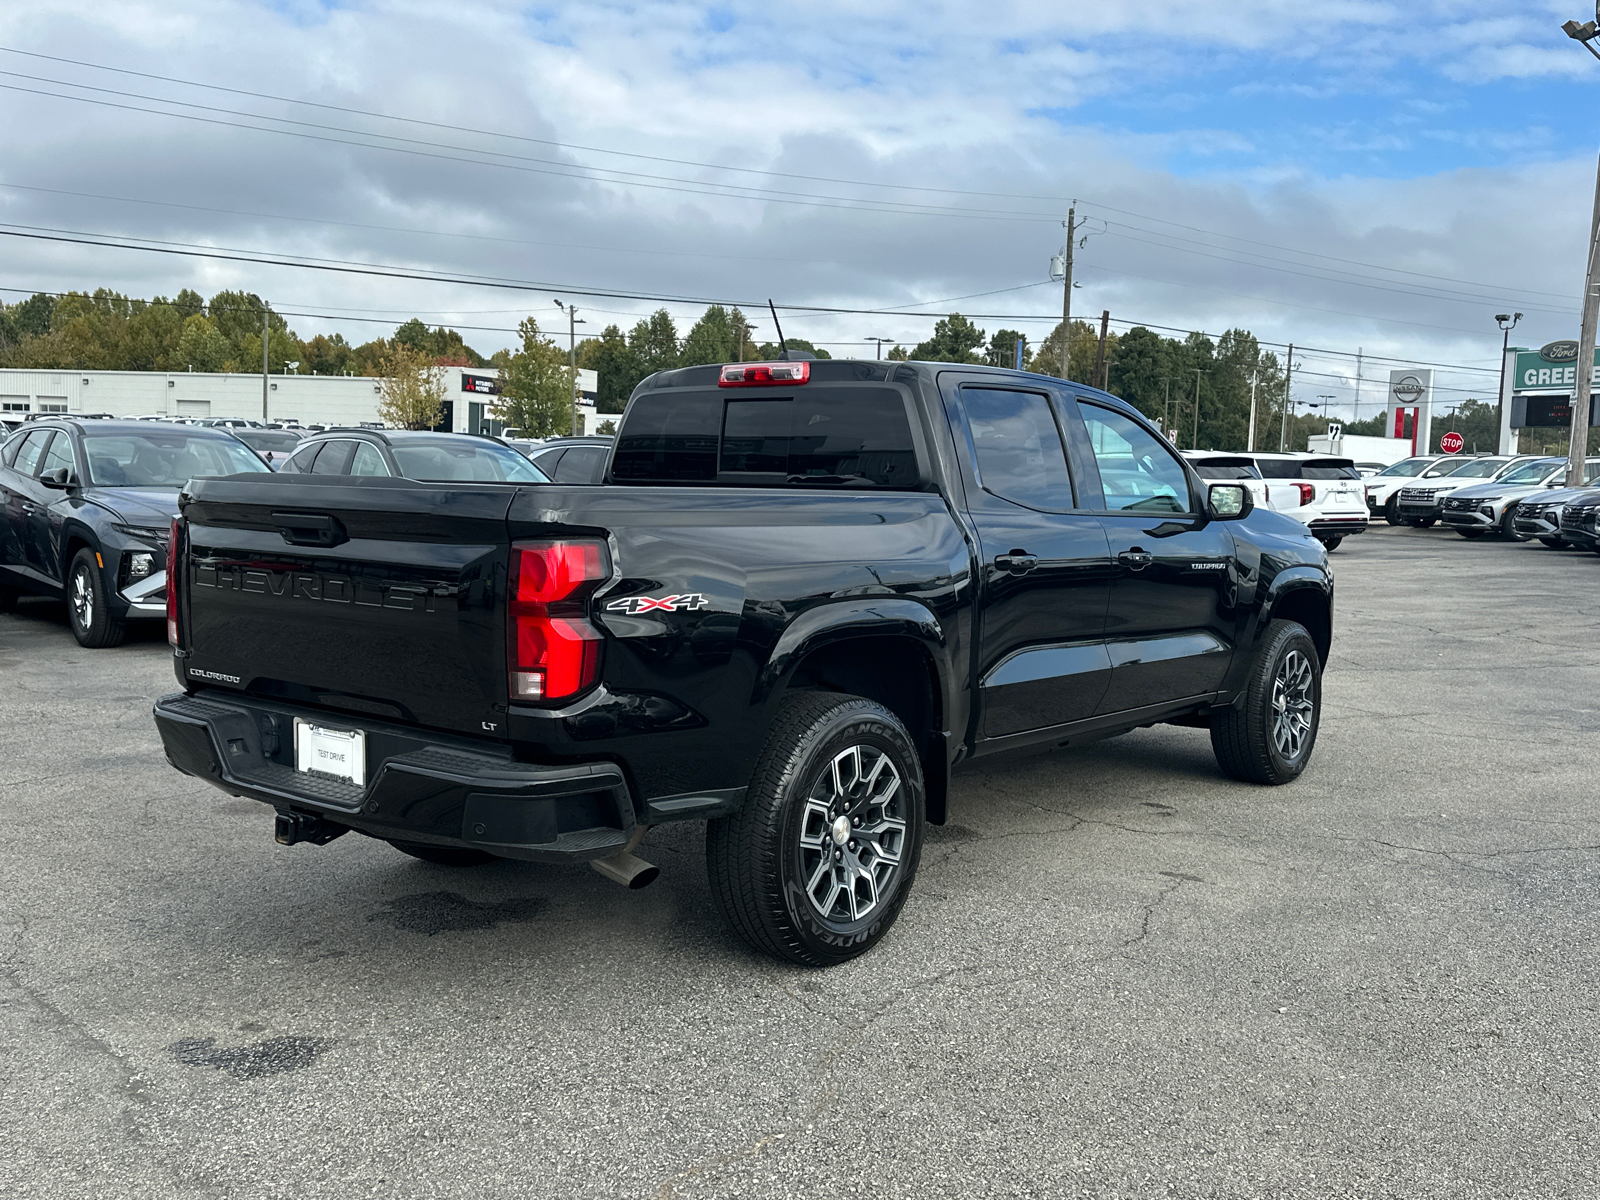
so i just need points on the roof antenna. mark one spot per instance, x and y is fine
(783, 346)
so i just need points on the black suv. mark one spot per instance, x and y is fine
(87, 508)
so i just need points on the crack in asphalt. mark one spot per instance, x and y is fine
(1178, 880)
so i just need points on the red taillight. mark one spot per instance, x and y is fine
(553, 651)
(767, 374)
(172, 584)
(1307, 492)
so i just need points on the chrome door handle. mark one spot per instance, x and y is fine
(1135, 559)
(1018, 562)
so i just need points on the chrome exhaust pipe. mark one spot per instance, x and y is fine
(625, 867)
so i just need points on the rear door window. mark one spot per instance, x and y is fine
(368, 461)
(1018, 447)
(299, 463)
(581, 464)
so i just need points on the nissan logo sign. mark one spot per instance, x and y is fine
(1559, 352)
(1409, 388)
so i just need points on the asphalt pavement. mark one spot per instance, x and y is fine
(1119, 975)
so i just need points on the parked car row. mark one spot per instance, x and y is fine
(1321, 490)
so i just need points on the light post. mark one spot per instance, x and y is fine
(573, 322)
(1507, 322)
(880, 341)
(1583, 375)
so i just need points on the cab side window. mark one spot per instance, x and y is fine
(334, 459)
(1137, 473)
(1018, 448)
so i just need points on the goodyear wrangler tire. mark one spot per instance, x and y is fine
(818, 863)
(1270, 736)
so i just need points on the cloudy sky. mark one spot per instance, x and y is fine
(1354, 174)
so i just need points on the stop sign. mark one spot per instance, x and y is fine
(1451, 443)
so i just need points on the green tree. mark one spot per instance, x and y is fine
(201, 346)
(325, 355)
(713, 339)
(898, 354)
(1085, 339)
(412, 389)
(1002, 350)
(955, 339)
(654, 342)
(535, 383)
(769, 351)
(617, 369)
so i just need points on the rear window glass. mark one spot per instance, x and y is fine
(843, 437)
(1225, 468)
(670, 438)
(1323, 471)
(1298, 468)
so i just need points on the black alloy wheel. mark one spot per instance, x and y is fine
(1508, 526)
(444, 856)
(1391, 511)
(87, 610)
(1269, 735)
(1331, 544)
(817, 864)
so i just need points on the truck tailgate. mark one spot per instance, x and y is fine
(381, 596)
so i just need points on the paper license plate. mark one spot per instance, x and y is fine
(340, 752)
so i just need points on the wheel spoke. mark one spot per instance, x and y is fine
(853, 825)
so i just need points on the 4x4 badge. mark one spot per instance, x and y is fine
(644, 604)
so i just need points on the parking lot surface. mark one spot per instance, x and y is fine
(1120, 974)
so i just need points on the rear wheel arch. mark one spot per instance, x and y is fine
(897, 672)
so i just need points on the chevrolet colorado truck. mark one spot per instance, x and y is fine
(804, 595)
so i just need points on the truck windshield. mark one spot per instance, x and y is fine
(164, 459)
(452, 457)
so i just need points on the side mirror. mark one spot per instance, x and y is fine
(61, 477)
(1230, 501)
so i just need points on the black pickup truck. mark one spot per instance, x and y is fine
(807, 593)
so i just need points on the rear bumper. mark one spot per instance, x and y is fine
(1344, 526)
(437, 789)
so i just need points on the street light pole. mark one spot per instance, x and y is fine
(1288, 402)
(1583, 375)
(1250, 442)
(1507, 322)
(1194, 440)
(265, 334)
(880, 341)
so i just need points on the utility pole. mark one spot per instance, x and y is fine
(1194, 440)
(879, 341)
(1288, 402)
(1250, 441)
(1166, 407)
(572, 359)
(266, 332)
(1355, 411)
(1100, 353)
(1583, 376)
(1066, 293)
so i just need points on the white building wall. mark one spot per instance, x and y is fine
(308, 399)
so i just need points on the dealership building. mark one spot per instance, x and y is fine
(469, 396)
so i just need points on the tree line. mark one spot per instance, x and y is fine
(1198, 388)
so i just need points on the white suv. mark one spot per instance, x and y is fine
(1325, 492)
